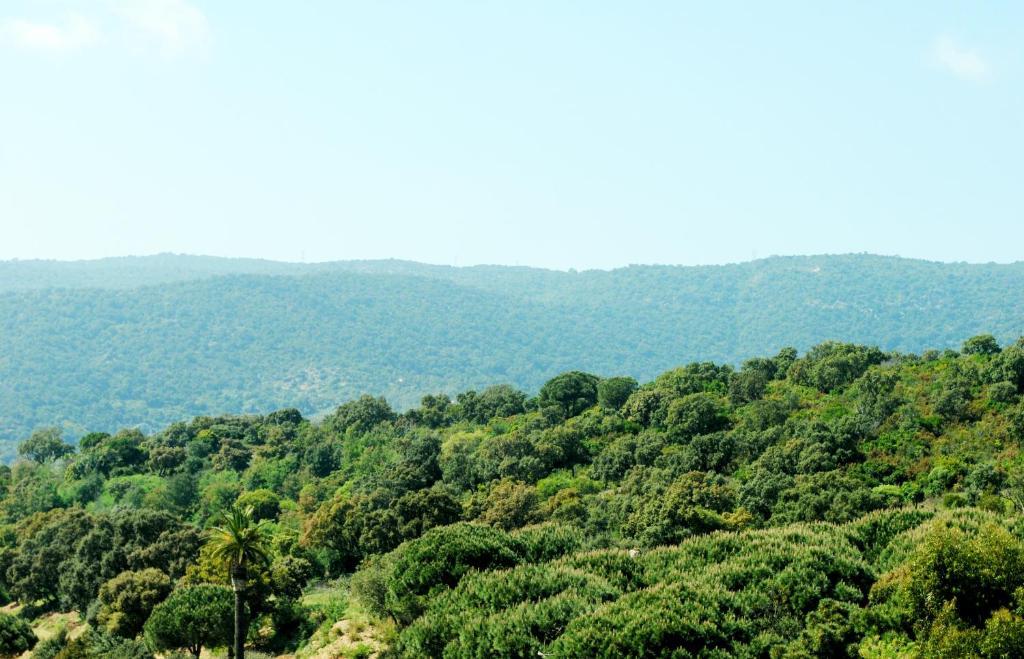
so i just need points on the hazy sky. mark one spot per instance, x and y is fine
(553, 133)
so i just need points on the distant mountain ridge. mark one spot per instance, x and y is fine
(97, 345)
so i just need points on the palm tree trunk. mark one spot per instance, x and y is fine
(238, 579)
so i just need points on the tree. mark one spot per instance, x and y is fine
(127, 600)
(510, 504)
(497, 401)
(119, 455)
(573, 392)
(239, 543)
(434, 411)
(265, 505)
(91, 644)
(16, 635)
(612, 393)
(165, 460)
(193, 617)
(92, 439)
(288, 576)
(360, 415)
(171, 552)
(45, 445)
(36, 570)
(422, 510)
(340, 526)
(233, 455)
(647, 406)
(983, 344)
(696, 414)
(831, 365)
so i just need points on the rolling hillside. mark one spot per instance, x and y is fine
(145, 340)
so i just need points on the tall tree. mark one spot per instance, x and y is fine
(239, 543)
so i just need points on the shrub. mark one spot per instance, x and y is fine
(16, 635)
(662, 621)
(421, 568)
(505, 612)
(545, 542)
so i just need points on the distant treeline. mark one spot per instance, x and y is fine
(144, 341)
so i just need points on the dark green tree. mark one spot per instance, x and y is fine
(360, 415)
(983, 344)
(612, 393)
(192, 618)
(16, 635)
(571, 392)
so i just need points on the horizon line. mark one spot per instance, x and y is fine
(125, 257)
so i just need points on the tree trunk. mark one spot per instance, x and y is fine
(238, 579)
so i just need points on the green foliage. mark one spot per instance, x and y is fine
(977, 574)
(498, 401)
(239, 541)
(510, 504)
(192, 618)
(832, 365)
(431, 329)
(694, 503)
(45, 445)
(127, 600)
(545, 542)
(16, 635)
(695, 414)
(849, 501)
(612, 393)
(983, 344)
(59, 559)
(96, 644)
(51, 647)
(662, 621)
(265, 505)
(361, 415)
(570, 392)
(421, 568)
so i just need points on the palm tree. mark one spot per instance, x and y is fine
(239, 543)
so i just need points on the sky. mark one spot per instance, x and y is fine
(553, 133)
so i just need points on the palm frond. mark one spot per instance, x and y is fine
(237, 541)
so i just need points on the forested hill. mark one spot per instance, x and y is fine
(118, 342)
(846, 503)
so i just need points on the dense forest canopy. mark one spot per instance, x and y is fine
(142, 342)
(847, 501)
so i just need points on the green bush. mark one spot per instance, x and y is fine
(16, 635)
(421, 568)
(667, 620)
(548, 541)
(492, 613)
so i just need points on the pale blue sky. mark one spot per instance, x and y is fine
(552, 133)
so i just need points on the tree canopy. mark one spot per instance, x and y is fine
(848, 501)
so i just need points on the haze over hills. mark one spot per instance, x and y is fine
(98, 345)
